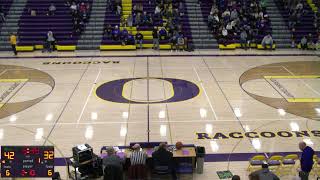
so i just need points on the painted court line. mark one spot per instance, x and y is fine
(140, 122)
(300, 79)
(89, 95)
(205, 92)
(303, 100)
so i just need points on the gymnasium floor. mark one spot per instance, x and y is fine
(228, 104)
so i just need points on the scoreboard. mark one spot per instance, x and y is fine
(27, 161)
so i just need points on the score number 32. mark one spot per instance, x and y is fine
(48, 155)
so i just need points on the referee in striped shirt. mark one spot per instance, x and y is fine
(138, 157)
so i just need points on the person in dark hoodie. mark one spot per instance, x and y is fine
(306, 160)
(263, 174)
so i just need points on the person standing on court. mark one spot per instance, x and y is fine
(155, 35)
(13, 42)
(306, 160)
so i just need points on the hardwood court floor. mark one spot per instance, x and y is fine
(228, 104)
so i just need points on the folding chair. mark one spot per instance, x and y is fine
(316, 166)
(256, 162)
(275, 163)
(288, 164)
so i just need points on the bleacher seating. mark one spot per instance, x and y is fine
(306, 26)
(113, 19)
(5, 4)
(147, 30)
(33, 29)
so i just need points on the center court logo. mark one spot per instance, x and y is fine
(182, 90)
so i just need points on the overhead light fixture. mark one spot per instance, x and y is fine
(256, 143)
(13, 118)
(203, 113)
(94, 116)
(308, 142)
(49, 117)
(163, 130)
(162, 114)
(88, 133)
(209, 128)
(214, 146)
(125, 115)
(237, 112)
(282, 112)
(123, 131)
(246, 128)
(39, 134)
(294, 126)
(1, 133)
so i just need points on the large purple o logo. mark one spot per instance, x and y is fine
(182, 90)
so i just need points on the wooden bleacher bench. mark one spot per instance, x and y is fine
(227, 47)
(65, 48)
(24, 48)
(117, 47)
(268, 46)
(162, 46)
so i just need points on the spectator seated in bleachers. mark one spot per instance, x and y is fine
(157, 11)
(73, 8)
(124, 35)
(310, 43)
(2, 14)
(146, 20)
(267, 40)
(51, 41)
(163, 34)
(181, 42)
(210, 20)
(174, 41)
(236, 16)
(138, 19)
(137, 8)
(129, 40)
(304, 43)
(116, 34)
(119, 10)
(52, 9)
(155, 38)
(139, 39)
(318, 43)
(108, 31)
(129, 22)
(80, 13)
(244, 39)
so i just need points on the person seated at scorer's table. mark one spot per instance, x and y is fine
(138, 159)
(163, 160)
(263, 174)
(113, 165)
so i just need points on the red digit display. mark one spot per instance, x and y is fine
(32, 173)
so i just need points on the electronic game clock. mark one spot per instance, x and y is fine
(27, 161)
